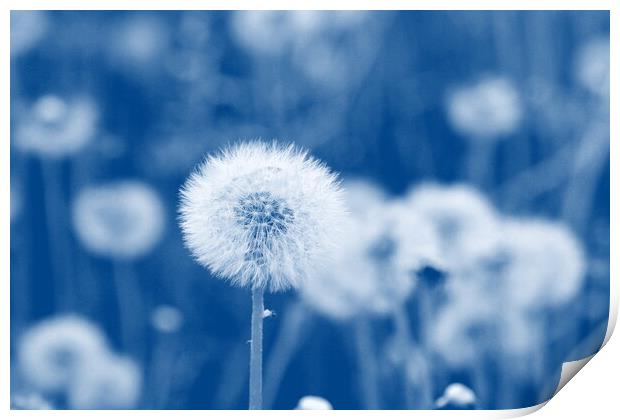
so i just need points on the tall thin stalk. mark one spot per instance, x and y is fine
(256, 350)
(367, 369)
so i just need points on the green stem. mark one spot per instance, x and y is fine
(256, 351)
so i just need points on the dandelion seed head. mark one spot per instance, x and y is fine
(273, 32)
(119, 220)
(592, 66)
(458, 395)
(373, 271)
(261, 215)
(545, 263)
(465, 223)
(486, 110)
(312, 402)
(463, 328)
(114, 382)
(52, 352)
(56, 127)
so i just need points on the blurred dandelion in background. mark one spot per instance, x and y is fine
(55, 351)
(457, 396)
(167, 319)
(592, 66)
(486, 110)
(112, 383)
(57, 127)
(119, 220)
(311, 402)
(27, 28)
(30, 402)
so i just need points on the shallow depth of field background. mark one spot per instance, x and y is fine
(103, 97)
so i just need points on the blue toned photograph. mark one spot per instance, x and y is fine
(313, 210)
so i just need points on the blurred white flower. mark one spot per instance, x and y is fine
(119, 220)
(464, 221)
(27, 28)
(457, 395)
(56, 127)
(113, 382)
(544, 263)
(477, 323)
(261, 215)
(272, 31)
(53, 352)
(167, 319)
(486, 110)
(462, 330)
(312, 402)
(30, 401)
(384, 244)
(592, 66)
(137, 42)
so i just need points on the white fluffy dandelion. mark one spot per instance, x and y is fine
(312, 402)
(263, 216)
(465, 222)
(457, 395)
(373, 271)
(57, 127)
(119, 220)
(545, 263)
(486, 110)
(53, 352)
(114, 382)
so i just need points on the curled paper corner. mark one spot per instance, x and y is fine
(569, 370)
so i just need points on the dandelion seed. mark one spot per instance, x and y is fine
(268, 313)
(122, 220)
(261, 215)
(113, 383)
(457, 395)
(56, 127)
(54, 351)
(312, 402)
(487, 110)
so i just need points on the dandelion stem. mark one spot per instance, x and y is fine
(256, 350)
(367, 370)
